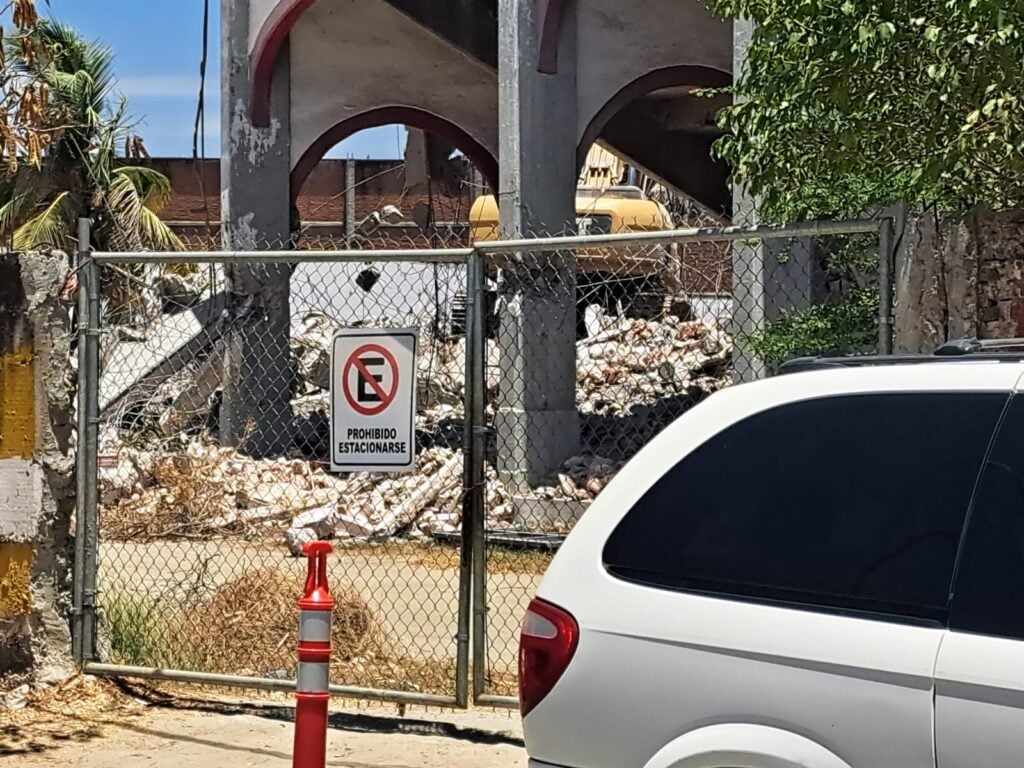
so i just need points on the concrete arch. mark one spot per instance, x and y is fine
(551, 14)
(351, 60)
(666, 135)
(626, 41)
(666, 77)
(267, 47)
(484, 160)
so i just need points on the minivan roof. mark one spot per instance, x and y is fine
(971, 350)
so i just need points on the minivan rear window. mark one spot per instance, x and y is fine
(988, 596)
(851, 502)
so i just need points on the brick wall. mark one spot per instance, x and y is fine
(378, 183)
(1000, 292)
(706, 267)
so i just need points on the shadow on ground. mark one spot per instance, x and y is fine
(44, 729)
(341, 721)
(32, 739)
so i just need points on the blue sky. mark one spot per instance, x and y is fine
(157, 44)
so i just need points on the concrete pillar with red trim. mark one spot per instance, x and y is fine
(537, 425)
(255, 413)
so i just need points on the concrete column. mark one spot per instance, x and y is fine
(748, 259)
(37, 466)
(537, 423)
(350, 203)
(770, 277)
(256, 204)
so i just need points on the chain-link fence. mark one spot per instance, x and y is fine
(213, 453)
(544, 365)
(595, 344)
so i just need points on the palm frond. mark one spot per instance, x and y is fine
(124, 208)
(136, 226)
(80, 77)
(68, 51)
(153, 186)
(50, 228)
(10, 212)
(158, 236)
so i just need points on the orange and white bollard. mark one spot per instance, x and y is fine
(315, 607)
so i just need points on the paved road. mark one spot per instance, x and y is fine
(170, 739)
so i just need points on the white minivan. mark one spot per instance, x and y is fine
(820, 570)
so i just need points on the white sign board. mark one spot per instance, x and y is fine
(373, 400)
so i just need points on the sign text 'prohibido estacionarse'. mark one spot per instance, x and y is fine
(373, 400)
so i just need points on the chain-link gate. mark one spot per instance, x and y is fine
(592, 345)
(211, 376)
(545, 364)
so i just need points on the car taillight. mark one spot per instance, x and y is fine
(546, 646)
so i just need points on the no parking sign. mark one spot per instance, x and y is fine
(373, 400)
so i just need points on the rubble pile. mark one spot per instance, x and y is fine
(626, 363)
(634, 376)
(207, 490)
(441, 373)
(623, 366)
(311, 350)
(426, 502)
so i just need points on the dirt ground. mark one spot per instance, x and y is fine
(198, 735)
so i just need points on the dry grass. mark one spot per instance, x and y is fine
(249, 627)
(73, 711)
(191, 494)
(502, 684)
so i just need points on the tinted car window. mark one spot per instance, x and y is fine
(854, 502)
(988, 596)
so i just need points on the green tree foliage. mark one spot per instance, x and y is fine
(844, 322)
(72, 165)
(849, 103)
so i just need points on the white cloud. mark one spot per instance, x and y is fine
(157, 86)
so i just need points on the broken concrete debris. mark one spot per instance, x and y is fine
(624, 364)
(208, 491)
(629, 363)
(175, 481)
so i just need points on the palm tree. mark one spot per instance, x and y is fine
(78, 171)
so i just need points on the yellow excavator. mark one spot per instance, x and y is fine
(633, 280)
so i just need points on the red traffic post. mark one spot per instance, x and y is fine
(312, 692)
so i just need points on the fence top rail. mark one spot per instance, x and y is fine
(400, 255)
(702, 234)
(530, 245)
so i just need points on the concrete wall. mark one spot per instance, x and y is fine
(621, 42)
(349, 57)
(353, 56)
(259, 12)
(36, 467)
(960, 278)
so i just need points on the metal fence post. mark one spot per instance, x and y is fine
(476, 471)
(463, 658)
(886, 265)
(78, 585)
(86, 539)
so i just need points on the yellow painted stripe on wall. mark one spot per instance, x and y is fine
(17, 404)
(15, 576)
